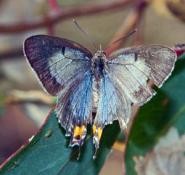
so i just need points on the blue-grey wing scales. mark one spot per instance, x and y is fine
(74, 108)
(132, 68)
(113, 105)
(56, 61)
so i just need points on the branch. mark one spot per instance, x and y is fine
(51, 19)
(54, 5)
(128, 25)
(11, 53)
(19, 96)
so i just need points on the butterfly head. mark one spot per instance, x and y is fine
(100, 54)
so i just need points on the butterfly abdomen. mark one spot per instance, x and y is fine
(98, 65)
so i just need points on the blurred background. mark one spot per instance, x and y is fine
(23, 104)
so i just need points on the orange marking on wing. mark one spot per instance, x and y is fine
(97, 131)
(79, 131)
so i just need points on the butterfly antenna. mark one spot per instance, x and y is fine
(85, 33)
(100, 47)
(126, 36)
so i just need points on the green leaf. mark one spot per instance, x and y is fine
(155, 118)
(48, 153)
(182, 56)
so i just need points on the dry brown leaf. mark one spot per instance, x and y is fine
(160, 7)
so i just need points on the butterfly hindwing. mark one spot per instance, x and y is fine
(133, 67)
(74, 108)
(113, 105)
(56, 61)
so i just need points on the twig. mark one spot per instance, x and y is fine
(11, 53)
(138, 38)
(128, 25)
(54, 6)
(63, 15)
(18, 96)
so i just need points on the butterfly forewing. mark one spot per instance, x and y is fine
(133, 67)
(56, 61)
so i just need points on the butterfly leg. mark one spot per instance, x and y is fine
(78, 135)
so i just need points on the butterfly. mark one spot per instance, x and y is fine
(85, 83)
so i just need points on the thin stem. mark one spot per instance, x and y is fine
(83, 10)
(129, 24)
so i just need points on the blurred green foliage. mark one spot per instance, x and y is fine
(48, 153)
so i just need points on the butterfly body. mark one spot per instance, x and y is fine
(85, 83)
(98, 64)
